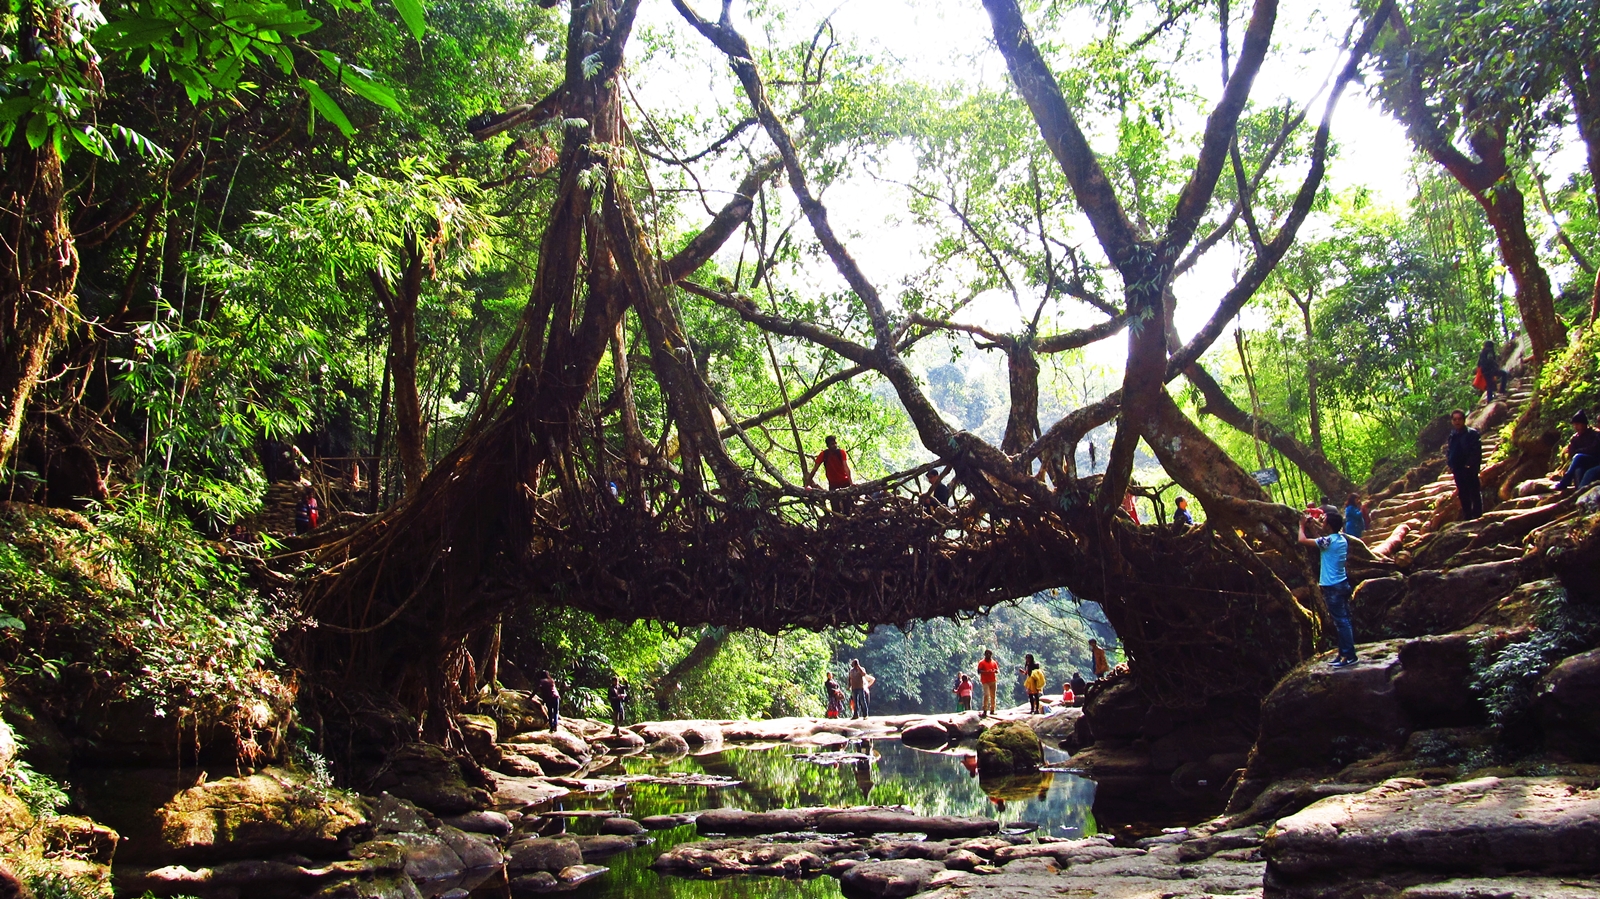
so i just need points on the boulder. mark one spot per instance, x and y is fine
(476, 851)
(665, 822)
(264, 814)
(1438, 602)
(573, 875)
(480, 733)
(392, 814)
(549, 760)
(623, 740)
(756, 856)
(375, 869)
(926, 732)
(1568, 704)
(669, 745)
(1406, 832)
(493, 824)
(1319, 716)
(542, 854)
(537, 882)
(1116, 712)
(626, 827)
(1505, 888)
(890, 879)
(429, 859)
(1433, 684)
(567, 744)
(607, 845)
(424, 774)
(1009, 746)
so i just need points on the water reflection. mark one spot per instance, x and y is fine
(880, 772)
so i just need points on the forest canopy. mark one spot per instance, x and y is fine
(552, 305)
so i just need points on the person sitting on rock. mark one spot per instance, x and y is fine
(544, 687)
(1079, 685)
(1335, 583)
(963, 692)
(1583, 454)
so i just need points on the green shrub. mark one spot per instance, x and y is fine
(130, 604)
(1507, 679)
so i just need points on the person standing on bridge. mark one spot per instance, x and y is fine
(835, 463)
(1335, 583)
(1180, 514)
(989, 677)
(860, 690)
(1464, 455)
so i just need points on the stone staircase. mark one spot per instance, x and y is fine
(1400, 521)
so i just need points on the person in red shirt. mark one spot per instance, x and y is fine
(834, 462)
(988, 675)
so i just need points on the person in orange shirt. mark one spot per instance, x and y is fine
(989, 676)
(835, 462)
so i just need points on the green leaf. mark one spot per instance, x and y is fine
(369, 89)
(411, 13)
(38, 132)
(325, 105)
(11, 623)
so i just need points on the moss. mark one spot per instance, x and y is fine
(1009, 746)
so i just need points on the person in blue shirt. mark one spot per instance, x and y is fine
(1355, 521)
(1335, 583)
(1180, 515)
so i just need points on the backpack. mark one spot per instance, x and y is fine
(1479, 382)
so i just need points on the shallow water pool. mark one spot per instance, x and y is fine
(867, 772)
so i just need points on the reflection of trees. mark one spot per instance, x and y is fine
(930, 783)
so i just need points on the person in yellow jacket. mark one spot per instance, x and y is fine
(1032, 682)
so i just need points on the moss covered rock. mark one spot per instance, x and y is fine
(261, 815)
(1009, 746)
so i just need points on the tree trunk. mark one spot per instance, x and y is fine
(668, 685)
(400, 309)
(1315, 412)
(1536, 304)
(38, 272)
(1022, 426)
(1329, 479)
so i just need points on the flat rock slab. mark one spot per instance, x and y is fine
(852, 820)
(717, 858)
(1537, 826)
(1506, 888)
(897, 878)
(521, 792)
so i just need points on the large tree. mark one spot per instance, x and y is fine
(554, 497)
